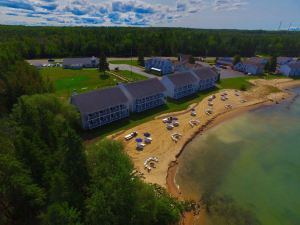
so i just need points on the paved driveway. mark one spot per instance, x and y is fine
(228, 73)
(134, 69)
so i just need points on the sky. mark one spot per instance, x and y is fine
(212, 14)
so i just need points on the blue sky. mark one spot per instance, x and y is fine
(236, 14)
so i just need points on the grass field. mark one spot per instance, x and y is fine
(127, 62)
(67, 81)
(130, 76)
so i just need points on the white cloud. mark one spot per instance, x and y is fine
(222, 5)
(122, 12)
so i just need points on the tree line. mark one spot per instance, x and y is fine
(48, 42)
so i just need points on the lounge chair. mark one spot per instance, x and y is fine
(176, 123)
(170, 127)
(148, 140)
(131, 135)
(193, 113)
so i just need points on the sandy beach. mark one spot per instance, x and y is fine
(167, 151)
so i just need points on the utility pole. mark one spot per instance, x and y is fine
(280, 26)
(131, 55)
(131, 61)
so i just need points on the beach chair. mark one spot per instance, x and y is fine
(148, 140)
(176, 123)
(131, 135)
(170, 127)
(193, 113)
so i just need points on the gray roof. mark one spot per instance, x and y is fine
(181, 79)
(294, 65)
(77, 61)
(254, 63)
(97, 100)
(256, 60)
(145, 88)
(205, 73)
(283, 59)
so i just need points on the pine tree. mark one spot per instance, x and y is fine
(236, 59)
(141, 59)
(192, 60)
(103, 64)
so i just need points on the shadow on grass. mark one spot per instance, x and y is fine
(104, 76)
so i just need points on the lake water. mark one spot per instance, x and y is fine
(247, 169)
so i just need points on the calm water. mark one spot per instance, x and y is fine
(248, 168)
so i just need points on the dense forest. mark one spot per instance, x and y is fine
(43, 42)
(47, 176)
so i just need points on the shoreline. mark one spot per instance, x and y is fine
(263, 93)
(189, 218)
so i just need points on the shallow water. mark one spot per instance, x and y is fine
(249, 166)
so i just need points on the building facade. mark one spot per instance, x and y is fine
(101, 107)
(291, 70)
(282, 60)
(79, 63)
(180, 85)
(225, 61)
(144, 95)
(206, 78)
(252, 66)
(159, 65)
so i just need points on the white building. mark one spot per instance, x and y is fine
(79, 63)
(101, 107)
(206, 78)
(252, 66)
(225, 61)
(291, 69)
(159, 65)
(144, 95)
(180, 85)
(183, 84)
(282, 60)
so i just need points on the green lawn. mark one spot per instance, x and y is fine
(131, 76)
(125, 61)
(67, 81)
(240, 83)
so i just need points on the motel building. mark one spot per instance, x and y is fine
(79, 63)
(101, 107)
(180, 85)
(250, 67)
(283, 60)
(187, 83)
(159, 66)
(291, 69)
(144, 95)
(206, 77)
